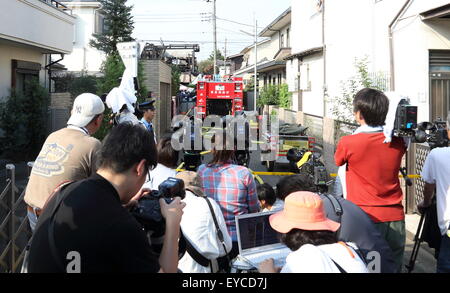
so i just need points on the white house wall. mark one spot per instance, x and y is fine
(83, 56)
(35, 23)
(413, 39)
(313, 97)
(356, 30)
(306, 25)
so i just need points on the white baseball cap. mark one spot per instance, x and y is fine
(85, 107)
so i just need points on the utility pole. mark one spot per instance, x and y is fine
(225, 57)
(215, 37)
(255, 92)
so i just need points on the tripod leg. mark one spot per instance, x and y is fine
(417, 241)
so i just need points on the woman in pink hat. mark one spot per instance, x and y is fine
(312, 238)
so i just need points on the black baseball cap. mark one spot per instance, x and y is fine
(147, 106)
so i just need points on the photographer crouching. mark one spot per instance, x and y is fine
(85, 227)
(435, 173)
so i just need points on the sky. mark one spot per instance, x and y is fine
(186, 21)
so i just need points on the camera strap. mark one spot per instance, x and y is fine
(219, 232)
(197, 256)
(335, 204)
(51, 226)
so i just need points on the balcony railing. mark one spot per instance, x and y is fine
(58, 5)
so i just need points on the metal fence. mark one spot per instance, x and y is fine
(315, 128)
(342, 129)
(15, 231)
(416, 157)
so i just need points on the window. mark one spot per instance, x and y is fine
(288, 41)
(23, 72)
(282, 41)
(100, 25)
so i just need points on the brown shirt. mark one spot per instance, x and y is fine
(67, 154)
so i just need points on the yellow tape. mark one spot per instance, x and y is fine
(291, 173)
(413, 176)
(259, 179)
(273, 173)
(180, 166)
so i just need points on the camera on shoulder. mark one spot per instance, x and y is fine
(433, 133)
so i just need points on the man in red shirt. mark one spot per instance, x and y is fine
(372, 169)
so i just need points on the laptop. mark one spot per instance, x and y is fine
(258, 241)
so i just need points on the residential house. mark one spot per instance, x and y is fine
(406, 45)
(30, 31)
(235, 62)
(270, 52)
(89, 21)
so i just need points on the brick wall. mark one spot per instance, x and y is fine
(61, 101)
(155, 73)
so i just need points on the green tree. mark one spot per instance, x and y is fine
(206, 67)
(118, 26)
(219, 56)
(83, 84)
(23, 119)
(176, 73)
(113, 69)
(342, 105)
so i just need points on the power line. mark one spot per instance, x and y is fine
(236, 22)
(200, 42)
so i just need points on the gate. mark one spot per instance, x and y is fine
(14, 228)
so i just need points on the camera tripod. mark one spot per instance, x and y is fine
(418, 239)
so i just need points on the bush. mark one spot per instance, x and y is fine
(23, 118)
(76, 85)
(277, 95)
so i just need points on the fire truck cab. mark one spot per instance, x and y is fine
(219, 96)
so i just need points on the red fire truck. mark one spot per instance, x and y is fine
(219, 96)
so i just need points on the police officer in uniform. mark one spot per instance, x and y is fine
(148, 113)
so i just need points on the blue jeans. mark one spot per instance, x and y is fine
(443, 262)
(32, 219)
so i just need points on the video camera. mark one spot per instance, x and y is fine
(435, 134)
(148, 211)
(313, 167)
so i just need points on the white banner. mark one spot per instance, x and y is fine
(129, 52)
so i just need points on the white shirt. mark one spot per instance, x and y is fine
(316, 259)
(198, 227)
(278, 205)
(158, 175)
(436, 170)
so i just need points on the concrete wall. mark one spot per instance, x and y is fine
(38, 24)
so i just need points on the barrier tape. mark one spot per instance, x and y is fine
(412, 176)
